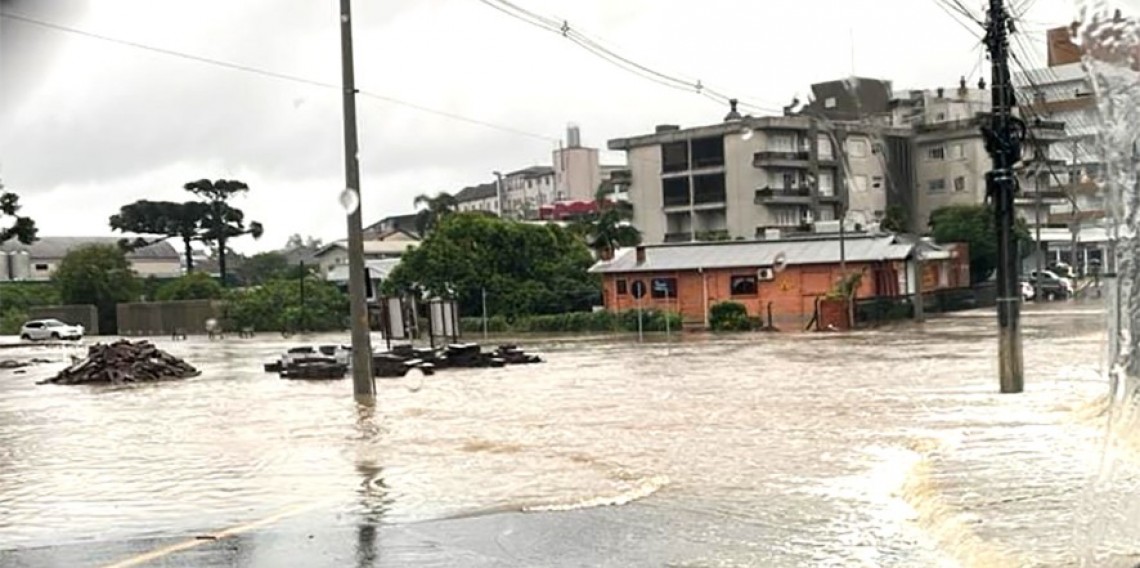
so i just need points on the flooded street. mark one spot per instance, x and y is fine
(882, 448)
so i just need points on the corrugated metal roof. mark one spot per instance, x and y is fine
(58, 247)
(691, 256)
(377, 269)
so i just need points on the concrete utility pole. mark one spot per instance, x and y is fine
(363, 386)
(1005, 150)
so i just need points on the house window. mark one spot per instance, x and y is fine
(743, 285)
(786, 216)
(826, 184)
(41, 267)
(622, 287)
(960, 183)
(936, 153)
(664, 288)
(936, 186)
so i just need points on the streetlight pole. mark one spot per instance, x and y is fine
(363, 386)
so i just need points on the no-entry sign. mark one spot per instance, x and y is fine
(638, 289)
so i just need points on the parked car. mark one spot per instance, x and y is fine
(1053, 287)
(43, 329)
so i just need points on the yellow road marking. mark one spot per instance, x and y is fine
(224, 533)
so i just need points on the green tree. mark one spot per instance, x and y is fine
(18, 227)
(222, 222)
(280, 305)
(193, 286)
(434, 210)
(296, 241)
(974, 225)
(167, 218)
(895, 220)
(524, 268)
(98, 275)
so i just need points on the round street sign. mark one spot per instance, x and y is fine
(638, 289)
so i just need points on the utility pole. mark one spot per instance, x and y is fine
(363, 385)
(1039, 253)
(1005, 150)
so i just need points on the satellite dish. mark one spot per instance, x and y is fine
(780, 262)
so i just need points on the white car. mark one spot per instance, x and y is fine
(40, 330)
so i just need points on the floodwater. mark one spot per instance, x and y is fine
(883, 448)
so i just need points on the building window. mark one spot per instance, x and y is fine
(936, 186)
(786, 216)
(664, 288)
(823, 145)
(674, 157)
(826, 184)
(41, 267)
(743, 285)
(876, 182)
(675, 191)
(859, 183)
(622, 287)
(826, 214)
(781, 143)
(957, 151)
(960, 183)
(936, 153)
(829, 102)
(857, 147)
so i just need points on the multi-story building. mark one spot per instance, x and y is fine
(575, 175)
(751, 177)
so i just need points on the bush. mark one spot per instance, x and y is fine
(23, 295)
(12, 320)
(729, 316)
(277, 306)
(193, 286)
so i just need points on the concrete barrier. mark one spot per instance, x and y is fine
(165, 318)
(83, 314)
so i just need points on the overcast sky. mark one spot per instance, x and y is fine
(87, 126)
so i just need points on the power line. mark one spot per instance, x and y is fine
(270, 74)
(593, 46)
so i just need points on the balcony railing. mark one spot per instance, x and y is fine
(766, 157)
(783, 195)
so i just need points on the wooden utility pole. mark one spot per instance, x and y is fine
(363, 386)
(1005, 150)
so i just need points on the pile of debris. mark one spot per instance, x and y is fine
(124, 362)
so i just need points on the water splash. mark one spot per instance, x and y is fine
(1110, 44)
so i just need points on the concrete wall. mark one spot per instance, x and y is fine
(645, 193)
(971, 165)
(161, 318)
(83, 314)
(577, 173)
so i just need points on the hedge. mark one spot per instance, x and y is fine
(576, 322)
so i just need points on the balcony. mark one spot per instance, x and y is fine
(786, 159)
(682, 237)
(782, 196)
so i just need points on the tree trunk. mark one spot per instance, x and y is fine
(189, 255)
(222, 260)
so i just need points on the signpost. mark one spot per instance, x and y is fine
(638, 291)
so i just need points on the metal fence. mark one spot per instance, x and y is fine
(162, 318)
(871, 312)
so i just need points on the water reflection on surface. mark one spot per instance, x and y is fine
(885, 448)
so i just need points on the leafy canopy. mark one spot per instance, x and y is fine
(974, 225)
(524, 268)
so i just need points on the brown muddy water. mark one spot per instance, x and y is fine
(883, 448)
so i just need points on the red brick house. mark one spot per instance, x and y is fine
(691, 277)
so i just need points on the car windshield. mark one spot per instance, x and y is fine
(54, 323)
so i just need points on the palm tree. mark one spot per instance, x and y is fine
(609, 228)
(434, 210)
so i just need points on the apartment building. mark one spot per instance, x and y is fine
(525, 191)
(754, 177)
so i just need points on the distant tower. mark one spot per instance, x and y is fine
(573, 136)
